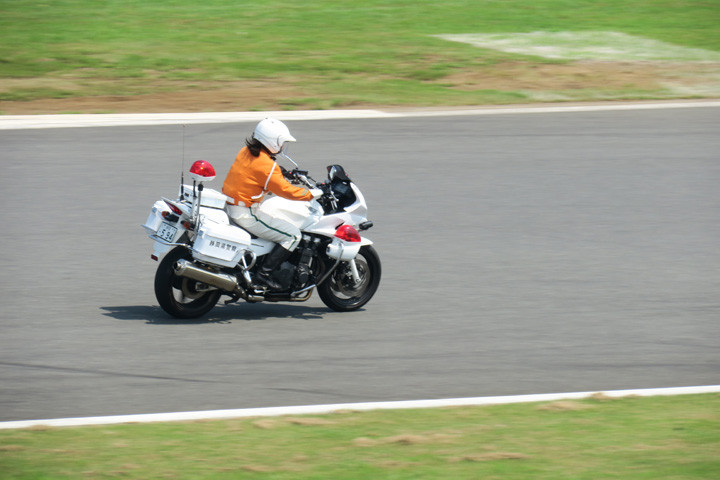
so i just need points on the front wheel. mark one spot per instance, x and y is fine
(182, 297)
(341, 293)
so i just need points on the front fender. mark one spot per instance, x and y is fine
(342, 250)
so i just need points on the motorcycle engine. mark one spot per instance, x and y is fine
(302, 275)
(293, 277)
(284, 275)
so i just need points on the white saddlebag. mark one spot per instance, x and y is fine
(220, 244)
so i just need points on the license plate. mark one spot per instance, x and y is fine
(166, 232)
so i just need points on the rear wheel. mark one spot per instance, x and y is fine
(341, 293)
(182, 297)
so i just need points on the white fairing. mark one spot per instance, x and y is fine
(354, 215)
(358, 210)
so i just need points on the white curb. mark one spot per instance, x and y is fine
(320, 409)
(16, 122)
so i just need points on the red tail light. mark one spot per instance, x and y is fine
(348, 233)
(175, 209)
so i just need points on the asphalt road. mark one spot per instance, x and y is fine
(536, 253)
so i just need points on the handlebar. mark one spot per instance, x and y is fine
(298, 176)
(301, 177)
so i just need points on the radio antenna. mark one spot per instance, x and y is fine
(182, 167)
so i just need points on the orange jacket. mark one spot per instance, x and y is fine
(251, 177)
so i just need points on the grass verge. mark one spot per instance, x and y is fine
(629, 438)
(332, 54)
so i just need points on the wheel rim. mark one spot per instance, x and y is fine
(189, 290)
(343, 285)
(186, 291)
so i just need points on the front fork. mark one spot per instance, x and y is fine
(354, 271)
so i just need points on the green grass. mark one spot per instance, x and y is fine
(332, 53)
(629, 438)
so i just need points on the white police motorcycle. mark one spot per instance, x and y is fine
(206, 255)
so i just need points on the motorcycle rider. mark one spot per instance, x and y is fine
(254, 173)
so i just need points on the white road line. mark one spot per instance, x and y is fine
(16, 122)
(320, 409)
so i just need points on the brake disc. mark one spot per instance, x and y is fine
(344, 280)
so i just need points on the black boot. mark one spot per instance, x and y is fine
(272, 261)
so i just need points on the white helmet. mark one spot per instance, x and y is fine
(273, 134)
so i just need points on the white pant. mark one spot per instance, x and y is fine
(261, 222)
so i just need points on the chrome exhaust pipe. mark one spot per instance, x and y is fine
(223, 281)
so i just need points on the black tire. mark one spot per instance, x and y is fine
(338, 291)
(179, 296)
